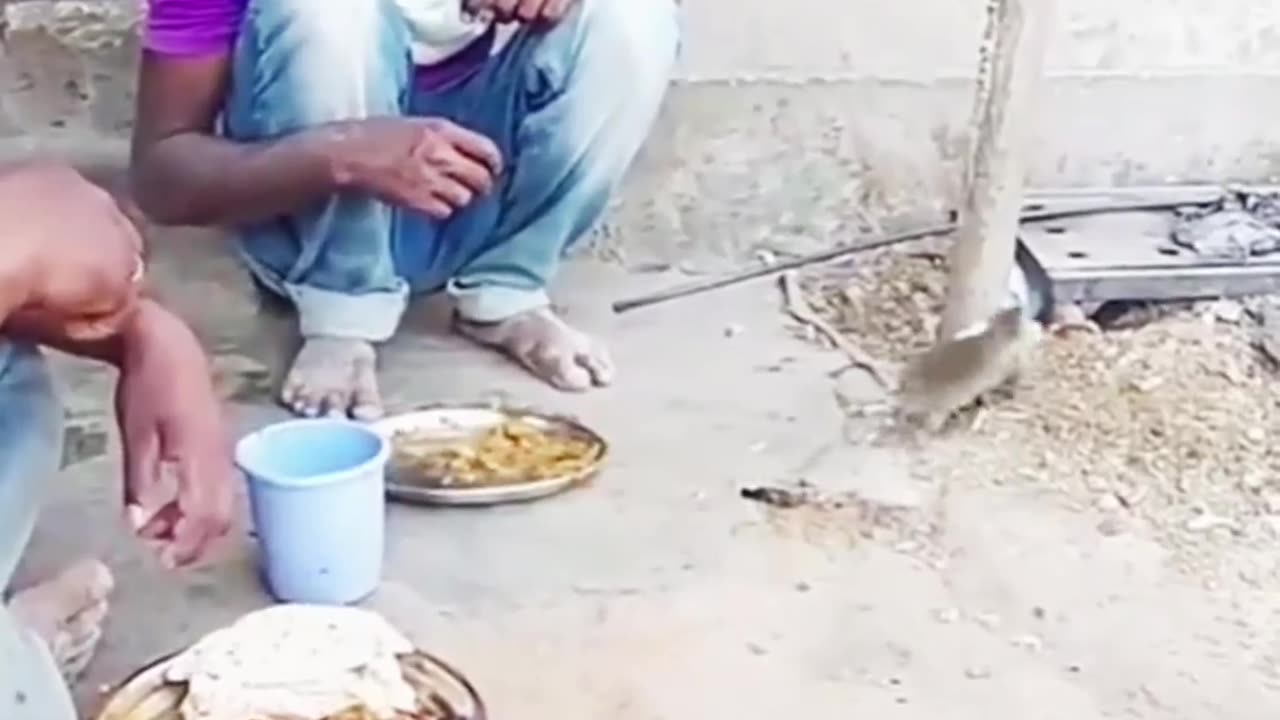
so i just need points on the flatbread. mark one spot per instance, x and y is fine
(302, 661)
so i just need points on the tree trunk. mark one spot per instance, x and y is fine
(1009, 78)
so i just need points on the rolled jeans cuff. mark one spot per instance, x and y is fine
(372, 317)
(494, 303)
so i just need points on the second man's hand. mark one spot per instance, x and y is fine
(526, 11)
(425, 164)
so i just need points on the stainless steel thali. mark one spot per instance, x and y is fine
(457, 422)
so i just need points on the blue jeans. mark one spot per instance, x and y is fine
(569, 107)
(31, 687)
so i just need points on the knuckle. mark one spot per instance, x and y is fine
(437, 154)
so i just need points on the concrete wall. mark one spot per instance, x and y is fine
(795, 121)
(927, 40)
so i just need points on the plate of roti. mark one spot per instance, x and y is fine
(298, 662)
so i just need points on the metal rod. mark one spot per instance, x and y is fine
(701, 286)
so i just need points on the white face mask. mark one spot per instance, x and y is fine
(439, 28)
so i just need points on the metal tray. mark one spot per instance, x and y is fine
(146, 695)
(454, 421)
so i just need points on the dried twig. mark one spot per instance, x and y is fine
(799, 308)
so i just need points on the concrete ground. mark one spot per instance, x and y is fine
(658, 592)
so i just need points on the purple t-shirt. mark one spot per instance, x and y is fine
(190, 28)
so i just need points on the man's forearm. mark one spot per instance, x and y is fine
(196, 179)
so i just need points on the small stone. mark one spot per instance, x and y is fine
(1205, 522)
(1255, 434)
(1269, 339)
(1030, 643)
(990, 621)
(1271, 501)
(1228, 311)
(733, 330)
(1109, 503)
(803, 587)
(1072, 316)
(1147, 383)
(1097, 484)
(1272, 526)
(1111, 527)
(767, 257)
(978, 672)
(947, 616)
(757, 649)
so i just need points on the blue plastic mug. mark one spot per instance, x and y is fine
(319, 508)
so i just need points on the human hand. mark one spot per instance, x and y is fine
(427, 164)
(73, 257)
(170, 419)
(528, 11)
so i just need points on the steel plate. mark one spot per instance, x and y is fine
(459, 421)
(146, 695)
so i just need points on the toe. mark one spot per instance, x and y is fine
(82, 632)
(295, 397)
(599, 365)
(335, 403)
(303, 398)
(366, 401)
(289, 393)
(565, 372)
(85, 584)
(306, 407)
(76, 658)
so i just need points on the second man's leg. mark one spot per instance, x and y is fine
(570, 106)
(300, 64)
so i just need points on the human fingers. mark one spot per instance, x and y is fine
(473, 145)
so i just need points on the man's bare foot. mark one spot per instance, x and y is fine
(547, 347)
(67, 612)
(334, 376)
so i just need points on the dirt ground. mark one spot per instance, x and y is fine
(659, 592)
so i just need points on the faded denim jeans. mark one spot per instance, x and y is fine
(569, 106)
(31, 687)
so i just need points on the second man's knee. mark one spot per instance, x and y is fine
(637, 39)
(336, 34)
